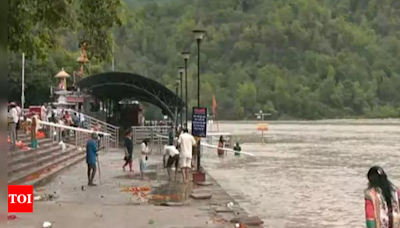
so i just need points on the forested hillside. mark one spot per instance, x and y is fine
(305, 59)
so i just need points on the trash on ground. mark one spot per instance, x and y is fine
(98, 215)
(46, 225)
(37, 198)
(11, 217)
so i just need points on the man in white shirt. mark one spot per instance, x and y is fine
(173, 158)
(81, 120)
(43, 113)
(186, 142)
(13, 124)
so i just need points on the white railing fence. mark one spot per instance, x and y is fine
(207, 143)
(140, 133)
(73, 135)
(91, 122)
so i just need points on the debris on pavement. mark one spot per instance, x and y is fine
(98, 215)
(11, 217)
(40, 189)
(46, 224)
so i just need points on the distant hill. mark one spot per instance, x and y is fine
(307, 59)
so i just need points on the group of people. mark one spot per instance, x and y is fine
(221, 145)
(61, 116)
(144, 150)
(180, 158)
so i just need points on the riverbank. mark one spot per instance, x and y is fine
(124, 200)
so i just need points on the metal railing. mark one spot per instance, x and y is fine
(92, 122)
(206, 143)
(73, 135)
(149, 132)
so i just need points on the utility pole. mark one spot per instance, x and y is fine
(23, 83)
(113, 58)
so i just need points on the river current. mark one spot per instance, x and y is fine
(307, 174)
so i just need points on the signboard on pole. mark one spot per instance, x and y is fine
(199, 122)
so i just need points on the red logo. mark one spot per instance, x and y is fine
(20, 198)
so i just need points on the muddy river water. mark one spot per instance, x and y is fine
(309, 174)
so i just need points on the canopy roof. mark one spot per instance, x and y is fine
(62, 74)
(118, 86)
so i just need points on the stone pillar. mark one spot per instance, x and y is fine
(86, 104)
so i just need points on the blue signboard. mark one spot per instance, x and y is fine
(199, 122)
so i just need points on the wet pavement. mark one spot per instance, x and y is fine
(308, 174)
(122, 199)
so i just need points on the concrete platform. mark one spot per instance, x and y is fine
(124, 200)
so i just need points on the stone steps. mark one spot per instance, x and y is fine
(37, 166)
(29, 156)
(40, 170)
(43, 157)
(43, 145)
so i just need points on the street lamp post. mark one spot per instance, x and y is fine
(176, 103)
(199, 37)
(199, 34)
(181, 71)
(186, 56)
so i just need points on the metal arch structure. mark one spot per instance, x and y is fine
(122, 85)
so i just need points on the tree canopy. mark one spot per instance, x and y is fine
(34, 26)
(305, 59)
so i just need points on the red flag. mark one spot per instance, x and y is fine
(214, 106)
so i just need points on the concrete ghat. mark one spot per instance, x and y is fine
(124, 200)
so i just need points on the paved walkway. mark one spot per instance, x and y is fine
(124, 200)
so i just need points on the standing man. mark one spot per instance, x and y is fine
(186, 142)
(13, 115)
(91, 158)
(43, 113)
(173, 158)
(171, 136)
(19, 112)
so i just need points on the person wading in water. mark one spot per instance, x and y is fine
(381, 201)
(237, 149)
(129, 151)
(91, 158)
(220, 150)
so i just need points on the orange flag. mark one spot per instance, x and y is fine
(214, 106)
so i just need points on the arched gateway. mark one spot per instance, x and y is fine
(118, 86)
